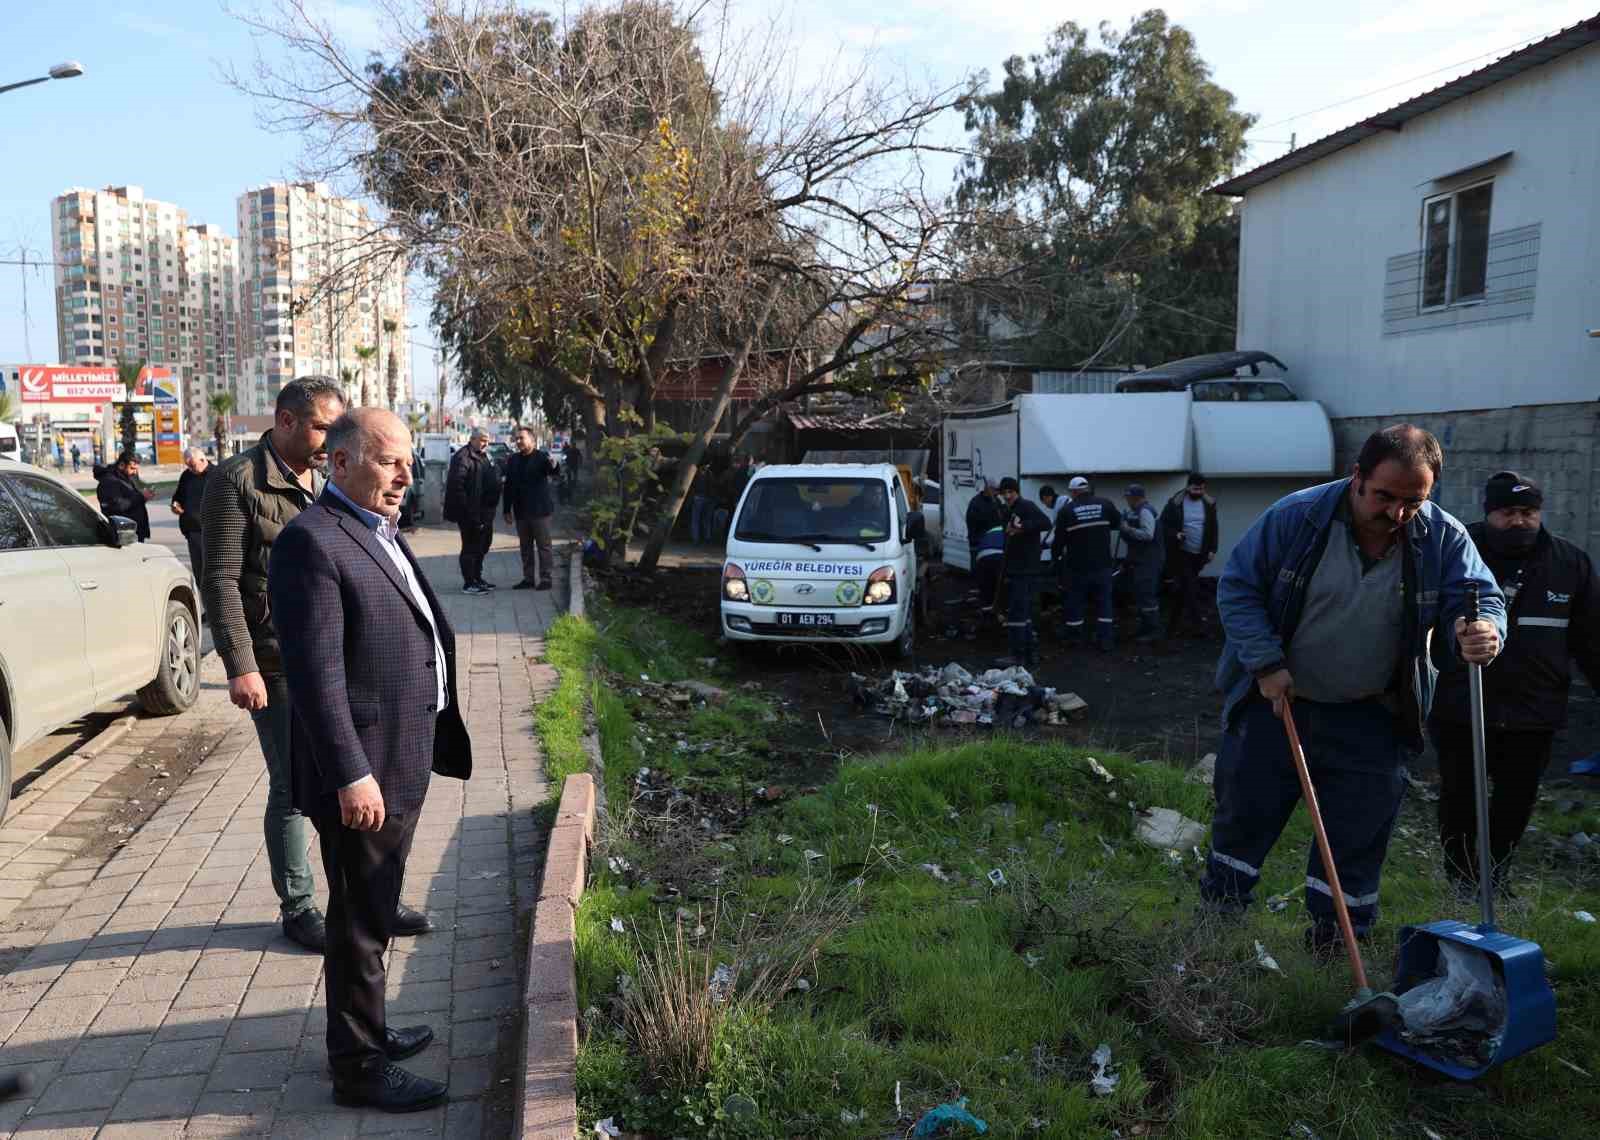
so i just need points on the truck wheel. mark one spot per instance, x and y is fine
(906, 643)
(177, 680)
(5, 772)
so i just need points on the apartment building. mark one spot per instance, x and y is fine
(135, 281)
(313, 299)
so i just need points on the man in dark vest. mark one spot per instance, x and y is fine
(248, 502)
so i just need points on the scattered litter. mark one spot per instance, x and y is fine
(1430, 1133)
(997, 877)
(644, 676)
(1205, 771)
(849, 1118)
(1582, 1072)
(951, 695)
(1579, 840)
(1277, 904)
(487, 875)
(952, 1115)
(1032, 959)
(1303, 1130)
(1165, 828)
(1266, 961)
(607, 1127)
(784, 840)
(617, 927)
(1588, 766)
(1099, 769)
(802, 985)
(812, 856)
(1105, 846)
(1583, 916)
(721, 985)
(900, 1113)
(1102, 1082)
(936, 871)
(708, 693)
(739, 1107)
(1422, 789)
(495, 963)
(618, 865)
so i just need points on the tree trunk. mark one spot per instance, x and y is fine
(690, 464)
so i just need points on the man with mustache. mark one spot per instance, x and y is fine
(1328, 603)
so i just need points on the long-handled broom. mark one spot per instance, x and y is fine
(1368, 1013)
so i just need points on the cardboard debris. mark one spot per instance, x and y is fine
(951, 695)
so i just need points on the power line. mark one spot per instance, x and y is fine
(1402, 82)
(1187, 313)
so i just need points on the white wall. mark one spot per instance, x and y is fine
(1315, 243)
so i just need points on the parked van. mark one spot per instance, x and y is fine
(825, 552)
(10, 445)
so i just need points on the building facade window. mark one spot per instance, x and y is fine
(1455, 246)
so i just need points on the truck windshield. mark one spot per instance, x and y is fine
(815, 510)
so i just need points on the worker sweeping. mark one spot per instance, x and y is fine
(1327, 602)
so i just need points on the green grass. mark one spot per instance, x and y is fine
(1000, 993)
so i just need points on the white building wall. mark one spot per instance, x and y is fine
(1315, 244)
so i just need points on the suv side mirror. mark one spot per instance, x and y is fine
(123, 531)
(916, 526)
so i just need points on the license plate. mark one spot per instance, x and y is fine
(805, 619)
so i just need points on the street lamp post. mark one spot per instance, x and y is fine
(68, 70)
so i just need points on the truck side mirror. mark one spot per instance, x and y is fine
(916, 527)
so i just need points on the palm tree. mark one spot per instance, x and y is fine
(391, 327)
(129, 372)
(365, 352)
(221, 403)
(347, 380)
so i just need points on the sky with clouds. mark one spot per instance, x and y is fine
(151, 109)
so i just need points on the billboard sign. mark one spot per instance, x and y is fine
(64, 384)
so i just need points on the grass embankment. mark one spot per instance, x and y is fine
(938, 978)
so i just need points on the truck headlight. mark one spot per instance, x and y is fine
(880, 587)
(734, 588)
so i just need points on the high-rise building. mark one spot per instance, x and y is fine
(314, 298)
(135, 281)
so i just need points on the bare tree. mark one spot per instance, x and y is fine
(606, 192)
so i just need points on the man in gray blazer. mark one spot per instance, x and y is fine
(370, 662)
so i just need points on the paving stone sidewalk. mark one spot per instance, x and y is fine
(159, 997)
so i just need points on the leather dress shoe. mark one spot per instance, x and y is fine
(409, 921)
(389, 1088)
(308, 928)
(398, 1044)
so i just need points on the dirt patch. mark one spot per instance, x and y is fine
(1153, 701)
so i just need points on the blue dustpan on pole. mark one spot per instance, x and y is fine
(1516, 963)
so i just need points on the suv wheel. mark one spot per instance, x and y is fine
(177, 680)
(5, 771)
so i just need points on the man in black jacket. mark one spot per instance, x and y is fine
(1189, 525)
(187, 503)
(528, 504)
(119, 493)
(1025, 528)
(471, 494)
(1083, 550)
(1553, 619)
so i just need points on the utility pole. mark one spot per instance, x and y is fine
(439, 361)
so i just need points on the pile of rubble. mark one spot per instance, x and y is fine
(950, 695)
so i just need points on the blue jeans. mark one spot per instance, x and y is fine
(1019, 616)
(1354, 754)
(288, 833)
(1082, 586)
(700, 509)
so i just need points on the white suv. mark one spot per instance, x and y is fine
(87, 614)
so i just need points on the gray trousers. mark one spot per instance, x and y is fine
(534, 534)
(288, 833)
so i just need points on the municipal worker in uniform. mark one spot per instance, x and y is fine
(1553, 620)
(1327, 603)
(1083, 531)
(1025, 526)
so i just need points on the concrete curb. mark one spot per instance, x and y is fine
(575, 581)
(548, 1106)
(67, 768)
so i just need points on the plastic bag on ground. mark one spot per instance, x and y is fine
(947, 1118)
(1465, 996)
